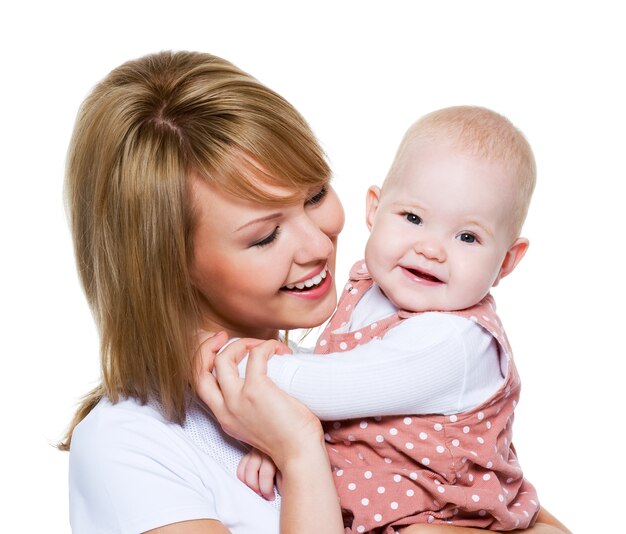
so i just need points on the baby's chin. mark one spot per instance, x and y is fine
(420, 305)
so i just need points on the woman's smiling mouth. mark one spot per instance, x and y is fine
(309, 283)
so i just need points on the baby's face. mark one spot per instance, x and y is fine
(441, 230)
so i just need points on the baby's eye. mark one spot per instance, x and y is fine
(467, 237)
(412, 218)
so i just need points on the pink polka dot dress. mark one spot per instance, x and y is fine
(458, 469)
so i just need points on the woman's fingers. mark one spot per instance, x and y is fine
(257, 361)
(281, 348)
(213, 341)
(254, 410)
(206, 386)
(258, 356)
(208, 390)
(226, 369)
(209, 345)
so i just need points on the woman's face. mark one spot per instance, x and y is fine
(260, 267)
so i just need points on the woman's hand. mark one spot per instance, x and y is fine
(253, 409)
(209, 344)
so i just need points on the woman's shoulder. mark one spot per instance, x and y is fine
(109, 424)
(106, 413)
(131, 470)
(118, 440)
(129, 436)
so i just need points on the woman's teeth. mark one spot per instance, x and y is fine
(311, 282)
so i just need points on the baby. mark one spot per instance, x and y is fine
(416, 333)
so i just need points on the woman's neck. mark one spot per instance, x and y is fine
(256, 333)
(233, 331)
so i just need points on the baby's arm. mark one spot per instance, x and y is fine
(431, 363)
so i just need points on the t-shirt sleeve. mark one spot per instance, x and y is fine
(427, 364)
(129, 474)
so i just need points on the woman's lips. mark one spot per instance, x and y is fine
(313, 290)
(313, 279)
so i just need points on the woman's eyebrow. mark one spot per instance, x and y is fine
(265, 218)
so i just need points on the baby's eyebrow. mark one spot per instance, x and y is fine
(483, 227)
(409, 204)
(265, 218)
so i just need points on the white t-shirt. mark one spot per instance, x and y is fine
(132, 471)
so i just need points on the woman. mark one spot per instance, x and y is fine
(197, 199)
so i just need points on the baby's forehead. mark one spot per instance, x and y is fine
(422, 157)
(439, 142)
(451, 178)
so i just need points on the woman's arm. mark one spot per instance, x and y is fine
(200, 526)
(546, 524)
(254, 410)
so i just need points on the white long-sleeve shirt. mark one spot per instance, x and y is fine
(431, 363)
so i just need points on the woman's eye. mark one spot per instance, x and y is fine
(267, 240)
(466, 237)
(317, 198)
(412, 218)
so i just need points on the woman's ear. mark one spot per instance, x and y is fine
(513, 256)
(371, 205)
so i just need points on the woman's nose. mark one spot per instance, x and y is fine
(313, 243)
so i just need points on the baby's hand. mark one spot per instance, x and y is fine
(257, 471)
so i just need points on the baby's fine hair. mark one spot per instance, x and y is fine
(484, 133)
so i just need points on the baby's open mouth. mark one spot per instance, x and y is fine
(425, 276)
(308, 284)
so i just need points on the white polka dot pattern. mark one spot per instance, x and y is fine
(458, 469)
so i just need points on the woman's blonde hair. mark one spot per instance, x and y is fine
(138, 136)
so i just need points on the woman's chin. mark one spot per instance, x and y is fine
(313, 318)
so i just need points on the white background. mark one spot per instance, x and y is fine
(360, 72)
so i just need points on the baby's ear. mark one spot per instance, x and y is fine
(513, 256)
(371, 205)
